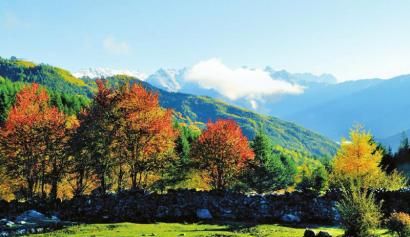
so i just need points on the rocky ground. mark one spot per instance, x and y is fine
(297, 209)
(30, 222)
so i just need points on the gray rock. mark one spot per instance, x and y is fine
(309, 233)
(21, 232)
(55, 218)
(203, 214)
(290, 218)
(323, 234)
(10, 223)
(31, 216)
(4, 234)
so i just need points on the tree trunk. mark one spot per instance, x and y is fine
(133, 180)
(30, 187)
(54, 187)
(120, 177)
(102, 184)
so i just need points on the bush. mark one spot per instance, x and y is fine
(360, 214)
(399, 223)
(313, 179)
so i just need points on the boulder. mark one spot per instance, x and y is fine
(309, 233)
(323, 234)
(203, 214)
(290, 218)
(10, 224)
(31, 216)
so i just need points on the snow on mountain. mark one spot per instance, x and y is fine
(179, 80)
(107, 72)
(301, 78)
(174, 80)
(167, 79)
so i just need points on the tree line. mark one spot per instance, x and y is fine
(125, 140)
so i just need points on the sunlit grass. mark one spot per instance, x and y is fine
(190, 230)
(25, 63)
(67, 76)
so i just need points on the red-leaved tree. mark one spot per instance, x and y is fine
(221, 151)
(124, 136)
(148, 132)
(34, 142)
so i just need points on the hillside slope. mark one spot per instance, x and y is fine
(383, 108)
(194, 108)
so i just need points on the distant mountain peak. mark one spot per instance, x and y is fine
(108, 72)
(168, 79)
(301, 78)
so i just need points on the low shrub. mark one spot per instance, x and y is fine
(359, 212)
(399, 223)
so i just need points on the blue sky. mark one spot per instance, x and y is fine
(350, 39)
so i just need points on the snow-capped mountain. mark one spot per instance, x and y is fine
(174, 80)
(167, 79)
(178, 80)
(304, 79)
(107, 72)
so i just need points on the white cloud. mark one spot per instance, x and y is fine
(236, 83)
(115, 46)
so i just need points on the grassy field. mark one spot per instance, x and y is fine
(188, 230)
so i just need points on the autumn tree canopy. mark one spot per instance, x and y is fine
(34, 141)
(358, 160)
(221, 151)
(148, 135)
(128, 135)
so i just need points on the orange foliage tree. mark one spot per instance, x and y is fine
(148, 135)
(125, 133)
(221, 150)
(34, 141)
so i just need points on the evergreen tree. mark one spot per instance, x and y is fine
(267, 172)
(178, 169)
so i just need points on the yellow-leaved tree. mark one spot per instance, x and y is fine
(356, 170)
(358, 160)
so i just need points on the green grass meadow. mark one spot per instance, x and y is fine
(190, 230)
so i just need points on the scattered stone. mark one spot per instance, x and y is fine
(186, 205)
(4, 234)
(31, 216)
(290, 218)
(21, 231)
(203, 214)
(10, 224)
(323, 234)
(309, 233)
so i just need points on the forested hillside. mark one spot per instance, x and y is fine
(69, 94)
